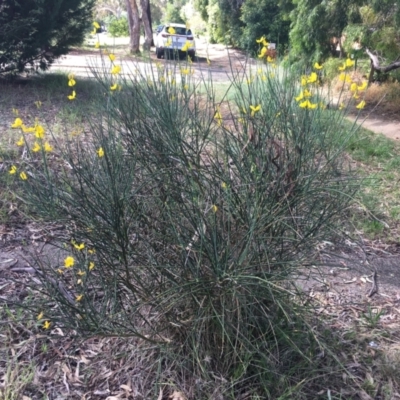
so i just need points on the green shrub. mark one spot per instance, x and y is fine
(189, 218)
(33, 34)
(118, 27)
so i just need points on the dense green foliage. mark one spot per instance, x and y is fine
(118, 27)
(314, 30)
(34, 33)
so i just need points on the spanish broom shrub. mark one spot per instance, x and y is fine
(188, 219)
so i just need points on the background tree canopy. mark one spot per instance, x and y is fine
(33, 33)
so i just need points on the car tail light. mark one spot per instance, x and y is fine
(189, 38)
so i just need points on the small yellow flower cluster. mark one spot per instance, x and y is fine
(46, 323)
(303, 99)
(265, 52)
(71, 83)
(38, 145)
(354, 87)
(187, 46)
(70, 262)
(115, 70)
(96, 26)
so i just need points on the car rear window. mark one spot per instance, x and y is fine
(180, 31)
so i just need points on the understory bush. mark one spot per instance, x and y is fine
(188, 219)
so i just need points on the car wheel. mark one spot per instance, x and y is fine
(158, 53)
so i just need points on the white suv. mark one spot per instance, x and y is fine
(175, 38)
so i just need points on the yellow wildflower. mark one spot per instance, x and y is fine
(185, 71)
(254, 109)
(343, 67)
(17, 123)
(46, 324)
(79, 246)
(71, 82)
(96, 25)
(23, 176)
(94, 31)
(69, 262)
(13, 170)
(26, 129)
(72, 96)
(79, 297)
(111, 56)
(214, 208)
(299, 97)
(224, 185)
(307, 93)
(39, 131)
(263, 41)
(349, 62)
(100, 152)
(263, 52)
(91, 265)
(308, 104)
(48, 147)
(81, 273)
(363, 86)
(270, 59)
(317, 66)
(40, 316)
(114, 87)
(348, 79)
(116, 69)
(168, 42)
(21, 141)
(218, 117)
(92, 251)
(36, 147)
(303, 80)
(312, 78)
(353, 87)
(361, 105)
(342, 77)
(171, 30)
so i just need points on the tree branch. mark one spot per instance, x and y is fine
(377, 65)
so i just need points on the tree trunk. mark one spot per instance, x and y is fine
(134, 25)
(376, 65)
(146, 19)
